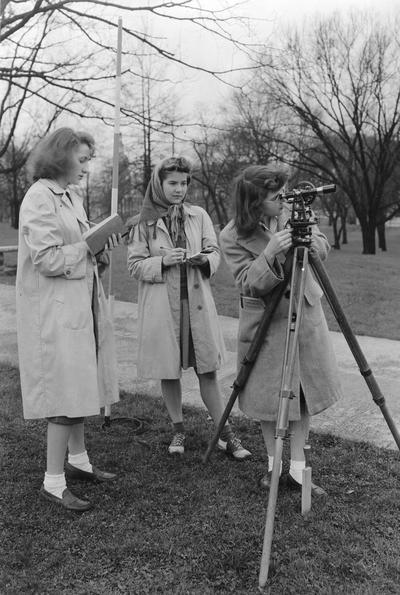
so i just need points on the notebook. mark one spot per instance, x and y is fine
(96, 237)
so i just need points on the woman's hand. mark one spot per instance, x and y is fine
(113, 241)
(281, 241)
(197, 260)
(173, 256)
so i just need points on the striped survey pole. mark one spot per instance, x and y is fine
(115, 172)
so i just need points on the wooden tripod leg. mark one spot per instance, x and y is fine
(299, 270)
(365, 370)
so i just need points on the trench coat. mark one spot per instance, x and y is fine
(315, 367)
(159, 298)
(66, 342)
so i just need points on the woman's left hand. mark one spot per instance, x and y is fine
(314, 245)
(197, 260)
(113, 241)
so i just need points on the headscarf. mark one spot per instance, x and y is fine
(156, 206)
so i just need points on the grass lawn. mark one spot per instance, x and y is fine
(368, 286)
(177, 526)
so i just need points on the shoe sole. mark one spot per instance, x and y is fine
(230, 454)
(48, 498)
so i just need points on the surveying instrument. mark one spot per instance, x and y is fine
(298, 259)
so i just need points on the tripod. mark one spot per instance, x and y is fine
(296, 268)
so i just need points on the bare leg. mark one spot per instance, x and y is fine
(298, 436)
(57, 440)
(76, 442)
(172, 395)
(211, 395)
(268, 432)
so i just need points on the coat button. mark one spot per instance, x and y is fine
(196, 285)
(67, 272)
(199, 307)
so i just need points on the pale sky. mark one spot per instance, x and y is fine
(200, 93)
(266, 19)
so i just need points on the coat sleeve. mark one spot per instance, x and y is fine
(43, 236)
(209, 240)
(320, 243)
(141, 264)
(254, 275)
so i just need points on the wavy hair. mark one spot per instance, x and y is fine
(249, 193)
(171, 164)
(51, 157)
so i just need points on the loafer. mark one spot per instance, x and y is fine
(292, 484)
(68, 500)
(95, 475)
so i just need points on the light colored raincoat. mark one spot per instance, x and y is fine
(315, 367)
(159, 298)
(61, 308)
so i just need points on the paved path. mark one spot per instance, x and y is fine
(355, 417)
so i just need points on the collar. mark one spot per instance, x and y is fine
(53, 186)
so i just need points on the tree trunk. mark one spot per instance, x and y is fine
(15, 202)
(368, 237)
(336, 234)
(344, 230)
(382, 236)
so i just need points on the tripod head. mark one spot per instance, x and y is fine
(302, 217)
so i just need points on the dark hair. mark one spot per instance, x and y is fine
(249, 193)
(179, 164)
(52, 155)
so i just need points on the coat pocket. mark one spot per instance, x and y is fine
(250, 314)
(312, 314)
(74, 307)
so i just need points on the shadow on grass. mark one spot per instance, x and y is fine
(174, 525)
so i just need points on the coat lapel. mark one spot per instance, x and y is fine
(77, 207)
(256, 242)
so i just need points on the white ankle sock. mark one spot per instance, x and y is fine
(296, 470)
(271, 464)
(80, 461)
(54, 484)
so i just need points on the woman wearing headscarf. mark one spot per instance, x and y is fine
(173, 253)
(255, 243)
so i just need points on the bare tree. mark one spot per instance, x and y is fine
(58, 52)
(339, 82)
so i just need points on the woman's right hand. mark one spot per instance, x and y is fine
(174, 256)
(281, 241)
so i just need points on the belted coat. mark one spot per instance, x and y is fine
(159, 298)
(65, 335)
(315, 366)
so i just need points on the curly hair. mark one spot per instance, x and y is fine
(249, 193)
(171, 164)
(52, 155)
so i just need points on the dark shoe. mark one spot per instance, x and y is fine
(265, 481)
(292, 484)
(95, 475)
(68, 500)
